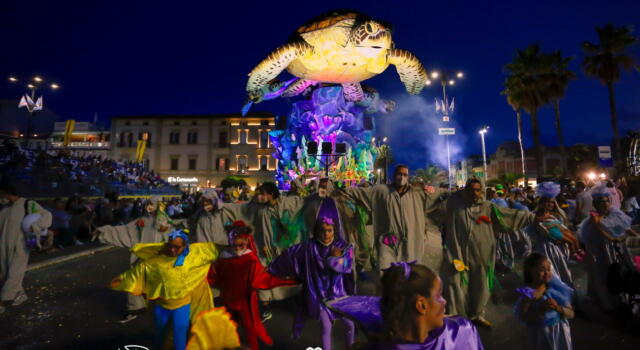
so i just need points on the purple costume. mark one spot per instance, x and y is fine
(457, 333)
(323, 278)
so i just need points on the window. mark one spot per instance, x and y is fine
(264, 122)
(174, 162)
(148, 139)
(192, 163)
(121, 138)
(176, 123)
(127, 123)
(242, 164)
(264, 139)
(222, 139)
(222, 163)
(192, 137)
(224, 122)
(130, 139)
(264, 162)
(242, 135)
(174, 137)
(244, 123)
(145, 123)
(194, 123)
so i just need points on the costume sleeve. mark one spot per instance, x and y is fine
(44, 222)
(210, 251)
(511, 219)
(362, 194)
(125, 236)
(343, 263)
(131, 281)
(292, 204)
(237, 211)
(288, 263)
(262, 279)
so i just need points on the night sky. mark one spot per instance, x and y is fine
(193, 57)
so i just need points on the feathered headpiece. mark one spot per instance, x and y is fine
(548, 189)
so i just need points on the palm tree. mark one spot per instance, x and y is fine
(528, 91)
(432, 174)
(604, 61)
(511, 90)
(556, 84)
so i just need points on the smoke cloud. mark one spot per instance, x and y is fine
(413, 133)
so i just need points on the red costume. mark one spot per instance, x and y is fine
(239, 278)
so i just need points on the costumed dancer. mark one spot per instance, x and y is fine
(468, 271)
(324, 266)
(174, 276)
(152, 227)
(410, 315)
(270, 215)
(399, 217)
(550, 229)
(544, 305)
(207, 222)
(603, 233)
(239, 274)
(352, 218)
(14, 242)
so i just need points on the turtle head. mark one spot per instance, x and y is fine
(371, 38)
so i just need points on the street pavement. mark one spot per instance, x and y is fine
(70, 307)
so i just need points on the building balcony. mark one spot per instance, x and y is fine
(83, 145)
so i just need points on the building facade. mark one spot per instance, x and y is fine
(197, 151)
(86, 138)
(507, 159)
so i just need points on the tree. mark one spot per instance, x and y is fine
(556, 82)
(526, 87)
(432, 175)
(511, 90)
(604, 61)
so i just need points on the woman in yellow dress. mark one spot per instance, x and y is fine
(173, 276)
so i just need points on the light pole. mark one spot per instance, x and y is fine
(483, 131)
(383, 148)
(30, 102)
(445, 108)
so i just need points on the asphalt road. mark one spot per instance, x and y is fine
(71, 308)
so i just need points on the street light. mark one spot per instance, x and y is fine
(446, 78)
(30, 102)
(483, 131)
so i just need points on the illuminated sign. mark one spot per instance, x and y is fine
(178, 179)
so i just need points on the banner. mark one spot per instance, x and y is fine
(68, 131)
(142, 146)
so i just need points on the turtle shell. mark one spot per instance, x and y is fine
(327, 21)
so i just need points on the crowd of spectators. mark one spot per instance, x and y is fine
(61, 173)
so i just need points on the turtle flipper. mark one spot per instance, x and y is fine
(298, 87)
(411, 72)
(352, 92)
(273, 65)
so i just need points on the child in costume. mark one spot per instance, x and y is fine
(552, 225)
(324, 265)
(239, 274)
(410, 315)
(545, 305)
(174, 276)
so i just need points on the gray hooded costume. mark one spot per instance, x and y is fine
(150, 228)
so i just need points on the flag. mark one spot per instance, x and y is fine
(38, 105)
(23, 102)
(142, 145)
(68, 131)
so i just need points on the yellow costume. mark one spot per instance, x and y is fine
(171, 286)
(214, 330)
